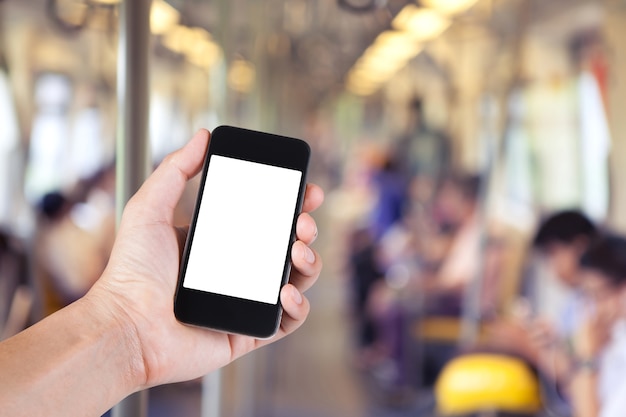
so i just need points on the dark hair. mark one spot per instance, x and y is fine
(564, 227)
(467, 184)
(416, 104)
(4, 241)
(470, 186)
(607, 255)
(52, 204)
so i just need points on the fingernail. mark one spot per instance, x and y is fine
(309, 256)
(296, 296)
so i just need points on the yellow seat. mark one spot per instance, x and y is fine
(487, 382)
(440, 329)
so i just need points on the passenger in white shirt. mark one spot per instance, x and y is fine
(598, 382)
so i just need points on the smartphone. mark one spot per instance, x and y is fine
(237, 255)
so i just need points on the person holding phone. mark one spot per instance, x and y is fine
(122, 336)
(597, 384)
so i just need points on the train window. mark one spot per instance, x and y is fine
(169, 125)
(67, 142)
(9, 146)
(517, 159)
(553, 130)
(49, 142)
(595, 147)
(530, 175)
(87, 147)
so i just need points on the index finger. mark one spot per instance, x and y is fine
(313, 198)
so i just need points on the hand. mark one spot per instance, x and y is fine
(140, 279)
(595, 331)
(543, 335)
(511, 335)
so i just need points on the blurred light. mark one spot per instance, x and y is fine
(389, 53)
(362, 83)
(204, 54)
(449, 6)
(107, 2)
(175, 39)
(421, 23)
(195, 43)
(162, 17)
(72, 12)
(374, 74)
(241, 76)
(393, 49)
(361, 90)
(394, 45)
(182, 39)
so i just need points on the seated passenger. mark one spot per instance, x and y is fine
(539, 336)
(441, 266)
(598, 387)
(455, 214)
(423, 276)
(74, 240)
(15, 291)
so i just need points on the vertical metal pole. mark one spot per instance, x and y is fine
(212, 394)
(211, 401)
(132, 163)
(493, 146)
(471, 308)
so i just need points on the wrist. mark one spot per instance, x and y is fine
(589, 365)
(122, 333)
(584, 349)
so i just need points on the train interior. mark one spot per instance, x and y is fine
(471, 156)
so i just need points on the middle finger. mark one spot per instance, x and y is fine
(307, 265)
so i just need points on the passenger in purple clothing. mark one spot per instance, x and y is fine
(391, 189)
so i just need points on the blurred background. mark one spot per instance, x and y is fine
(471, 151)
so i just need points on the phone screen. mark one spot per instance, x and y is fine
(243, 229)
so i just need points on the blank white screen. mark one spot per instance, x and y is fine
(243, 229)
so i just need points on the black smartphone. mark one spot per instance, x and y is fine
(237, 255)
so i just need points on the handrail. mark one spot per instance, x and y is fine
(132, 152)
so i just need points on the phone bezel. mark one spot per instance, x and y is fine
(226, 313)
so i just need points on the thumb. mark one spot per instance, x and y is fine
(164, 187)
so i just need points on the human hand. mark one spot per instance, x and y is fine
(543, 335)
(511, 335)
(139, 282)
(595, 331)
